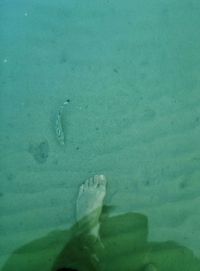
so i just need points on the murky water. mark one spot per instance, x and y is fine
(130, 70)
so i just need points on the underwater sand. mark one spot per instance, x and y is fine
(131, 72)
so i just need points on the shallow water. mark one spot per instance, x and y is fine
(131, 72)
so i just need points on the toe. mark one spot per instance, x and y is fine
(85, 185)
(81, 189)
(102, 180)
(96, 180)
(91, 182)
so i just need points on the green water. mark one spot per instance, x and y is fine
(124, 245)
(130, 70)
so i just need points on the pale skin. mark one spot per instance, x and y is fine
(90, 203)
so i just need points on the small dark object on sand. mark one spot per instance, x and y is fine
(40, 151)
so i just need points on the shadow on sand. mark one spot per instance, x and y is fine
(124, 246)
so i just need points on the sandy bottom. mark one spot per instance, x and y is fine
(132, 76)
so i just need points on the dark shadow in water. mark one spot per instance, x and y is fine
(124, 246)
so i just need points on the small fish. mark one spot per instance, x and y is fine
(59, 126)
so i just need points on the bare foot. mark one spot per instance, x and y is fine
(90, 202)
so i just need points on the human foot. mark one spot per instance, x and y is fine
(90, 202)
